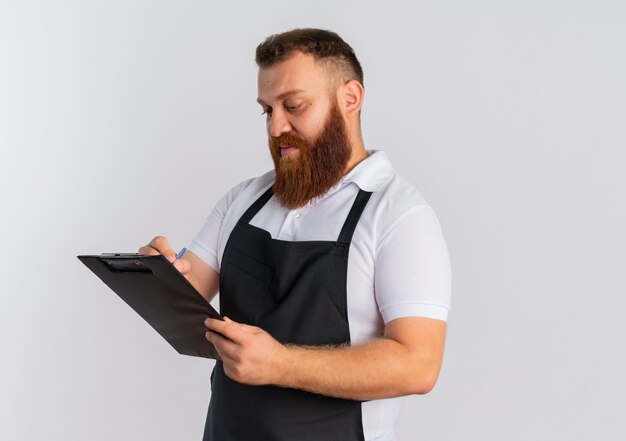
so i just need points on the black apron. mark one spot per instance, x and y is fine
(296, 291)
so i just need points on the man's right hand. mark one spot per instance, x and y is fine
(204, 278)
(160, 245)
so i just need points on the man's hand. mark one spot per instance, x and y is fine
(250, 355)
(204, 278)
(160, 245)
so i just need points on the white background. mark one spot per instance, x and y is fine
(120, 120)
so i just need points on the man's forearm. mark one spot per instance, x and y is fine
(406, 360)
(381, 368)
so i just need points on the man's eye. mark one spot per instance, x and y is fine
(292, 108)
(266, 112)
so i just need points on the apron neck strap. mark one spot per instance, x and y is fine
(258, 204)
(345, 237)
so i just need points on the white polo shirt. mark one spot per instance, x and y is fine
(398, 262)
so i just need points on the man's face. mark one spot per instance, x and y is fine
(306, 131)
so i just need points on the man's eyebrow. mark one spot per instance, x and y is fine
(282, 96)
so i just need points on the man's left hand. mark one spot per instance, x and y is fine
(250, 355)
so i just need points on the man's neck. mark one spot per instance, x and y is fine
(358, 154)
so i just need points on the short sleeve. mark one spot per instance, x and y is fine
(412, 269)
(205, 244)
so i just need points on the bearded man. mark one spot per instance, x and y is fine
(333, 273)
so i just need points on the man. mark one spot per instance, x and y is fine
(333, 273)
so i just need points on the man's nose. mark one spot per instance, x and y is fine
(278, 124)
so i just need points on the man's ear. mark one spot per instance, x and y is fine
(351, 97)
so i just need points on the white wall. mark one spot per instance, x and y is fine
(123, 119)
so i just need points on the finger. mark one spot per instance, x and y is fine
(216, 325)
(182, 265)
(224, 346)
(228, 364)
(242, 326)
(229, 329)
(147, 250)
(161, 244)
(209, 336)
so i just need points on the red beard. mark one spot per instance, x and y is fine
(315, 168)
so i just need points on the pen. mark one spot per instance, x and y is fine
(180, 253)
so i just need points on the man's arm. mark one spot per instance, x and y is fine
(406, 360)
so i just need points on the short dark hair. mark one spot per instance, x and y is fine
(325, 46)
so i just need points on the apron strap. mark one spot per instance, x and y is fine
(345, 237)
(256, 206)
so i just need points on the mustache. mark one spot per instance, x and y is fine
(285, 139)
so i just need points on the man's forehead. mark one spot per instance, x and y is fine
(298, 74)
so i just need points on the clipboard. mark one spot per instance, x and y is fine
(161, 295)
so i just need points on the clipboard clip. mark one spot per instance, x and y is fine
(125, 265)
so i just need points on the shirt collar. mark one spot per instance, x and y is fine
(371, 173)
